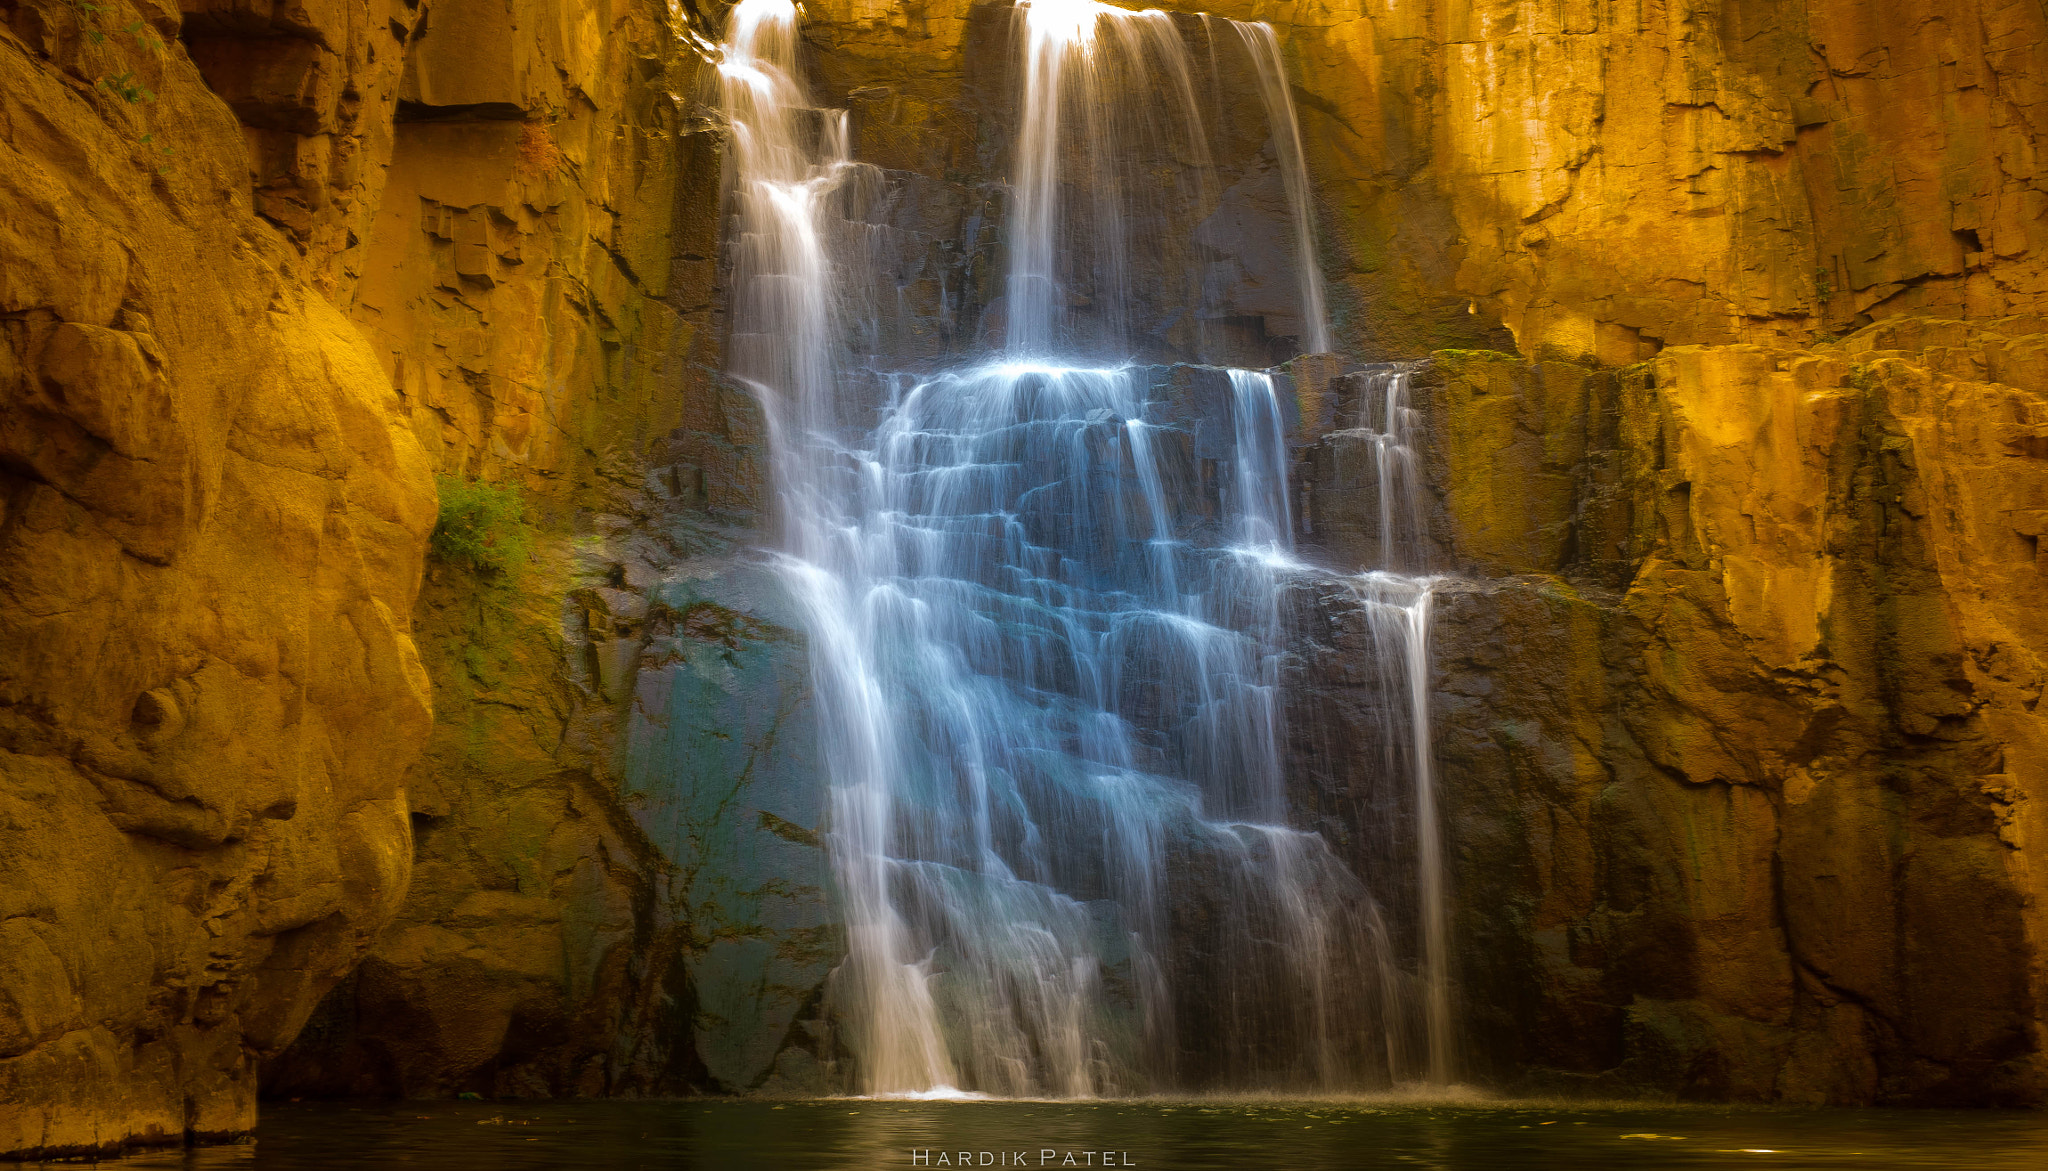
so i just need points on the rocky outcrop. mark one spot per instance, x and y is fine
(1608, 180)
(266, 270)
(214, 515)
(1602, 182)
(1738, 721)
(1643, 727)
(581, 798)
(621, 872)
(537, 281)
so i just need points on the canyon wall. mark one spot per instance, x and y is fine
(1602, 178)
(1607, 177)
(215, 516)
(1592, 180)
(1738, 724)
(1740, 684)
(266, 271)
(537, 281)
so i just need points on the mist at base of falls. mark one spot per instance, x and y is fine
(1043, 596)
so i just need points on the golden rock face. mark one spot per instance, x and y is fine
(1603, 181)
(1747, 687)
(1741, 710)
(214, 519)
(222, 419)
(1738, 661)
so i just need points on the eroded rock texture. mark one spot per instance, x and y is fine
(1607, 178)
(263, 272)
(215, 512)
(1603, 178)
(530, 287)
(1738, 717)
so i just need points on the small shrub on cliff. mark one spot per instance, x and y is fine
(127, 88)
(482, 526)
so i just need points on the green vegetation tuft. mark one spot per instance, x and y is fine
(482, 526)
(1455, 355)
(127, 88)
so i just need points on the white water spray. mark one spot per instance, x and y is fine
(1047, 668)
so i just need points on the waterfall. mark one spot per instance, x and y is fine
(1042, 593)
(1264, 48)
(1092, 79)
(1398, 610)
(789, 158)
(1388, 421)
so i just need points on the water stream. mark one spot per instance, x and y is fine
(1397, 599)
(1042, 591)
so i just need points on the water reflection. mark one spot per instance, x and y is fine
(1187, 1135)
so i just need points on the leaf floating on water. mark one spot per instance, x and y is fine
(1676, 1138)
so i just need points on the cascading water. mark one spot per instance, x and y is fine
(1264, 49)
(1042, 601)
(1391, 424)
(1397, 607)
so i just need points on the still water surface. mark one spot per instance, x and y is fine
(1153, 1134)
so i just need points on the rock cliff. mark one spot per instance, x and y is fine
(1738, 718)
(536, 281)
(1742, 675)
(267, 270)
(1605, 179)
(1738, 687)
(215, 513)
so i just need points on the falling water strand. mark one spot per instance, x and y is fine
(1398, 609)
(1093, 77)
(1042, 603)
(1398, 612)
(790, 158)
(1286, 127)
(1053, 33)
(1391, 426)
(1429, 843)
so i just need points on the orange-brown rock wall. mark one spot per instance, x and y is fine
(1766, 706)
(1605, 177)
(215, 513)
(1739, 666)
(536, 278)
(264, 272)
